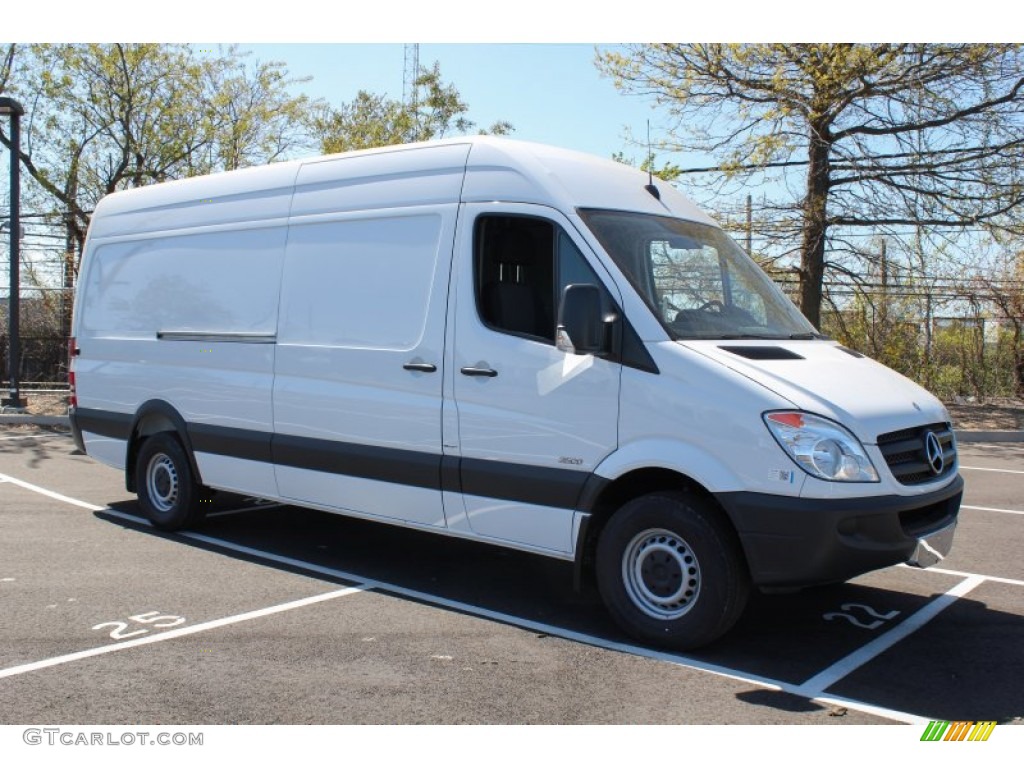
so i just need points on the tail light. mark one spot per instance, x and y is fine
(73, 350)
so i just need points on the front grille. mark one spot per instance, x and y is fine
(906, 454)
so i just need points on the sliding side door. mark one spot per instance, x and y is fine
(357, 391)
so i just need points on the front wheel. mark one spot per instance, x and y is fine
(670, 571)
(168, 492)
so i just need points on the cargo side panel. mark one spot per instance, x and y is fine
(188, 319)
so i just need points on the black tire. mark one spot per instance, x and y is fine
(166, 486)
(670, 571)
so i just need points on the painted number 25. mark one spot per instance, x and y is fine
(154, 618)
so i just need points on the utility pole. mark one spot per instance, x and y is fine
(750, 227)
(67, 279)
(9, 106)
(928, 335)
(884, 303)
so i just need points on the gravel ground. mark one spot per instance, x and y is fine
(45, 403)
(995, 414)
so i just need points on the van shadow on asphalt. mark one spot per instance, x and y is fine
(964, 664)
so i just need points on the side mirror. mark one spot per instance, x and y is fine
(580, 323)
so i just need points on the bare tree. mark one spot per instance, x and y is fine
(1004, 288)
(884, 136)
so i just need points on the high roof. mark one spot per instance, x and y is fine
(496, 169)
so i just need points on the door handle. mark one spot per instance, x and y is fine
(471, 371)
(422, 367)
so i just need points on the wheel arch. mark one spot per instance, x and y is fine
(602, 498)
(153, 417)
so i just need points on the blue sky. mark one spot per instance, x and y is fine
(530, 62)
(551, 93)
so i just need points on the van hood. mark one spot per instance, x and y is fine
(823, 377)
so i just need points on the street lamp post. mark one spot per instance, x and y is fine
(9, 106)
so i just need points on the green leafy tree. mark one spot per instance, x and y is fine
(256, 119)
(665, 171)
(884, 136)
(6, 65)
(374, 120)
(107, 117)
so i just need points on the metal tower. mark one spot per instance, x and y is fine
(411, 72)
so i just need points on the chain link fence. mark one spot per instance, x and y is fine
(957, 339)
(43, 361)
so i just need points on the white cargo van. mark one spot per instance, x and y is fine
(505, 342)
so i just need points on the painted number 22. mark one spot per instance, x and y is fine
(156, 619)
(847, 608)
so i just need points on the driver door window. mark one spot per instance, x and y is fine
(522, 266)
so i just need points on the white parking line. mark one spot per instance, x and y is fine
(813, 688)
(828, 677)
(51, 494)
(180, 632)
(994, 469)
(993, 509)
(965, 574)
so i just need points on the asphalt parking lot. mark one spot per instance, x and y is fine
(275, 614)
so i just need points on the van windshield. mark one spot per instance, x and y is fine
(698, 282)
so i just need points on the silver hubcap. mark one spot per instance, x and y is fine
(162, 482)
(661, 574)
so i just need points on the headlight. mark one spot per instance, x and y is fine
(821, 447)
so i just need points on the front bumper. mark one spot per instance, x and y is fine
(794, 542)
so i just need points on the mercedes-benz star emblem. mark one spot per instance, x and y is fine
(933, 452)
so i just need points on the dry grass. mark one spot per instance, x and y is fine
(46, 403)
(995, 414)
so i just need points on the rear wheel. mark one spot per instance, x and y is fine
(670, 571)
(167, 489)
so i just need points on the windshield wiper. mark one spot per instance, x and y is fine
(748, 337)
(731, 336)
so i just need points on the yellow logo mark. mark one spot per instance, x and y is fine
(960, 730)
